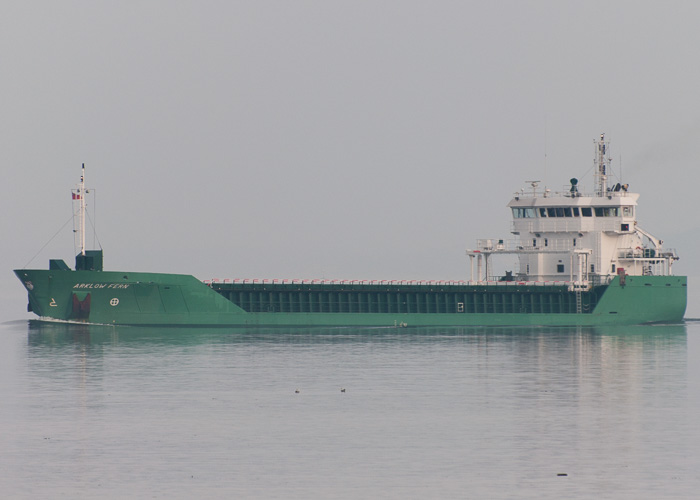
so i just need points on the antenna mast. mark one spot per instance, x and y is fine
(603, 162)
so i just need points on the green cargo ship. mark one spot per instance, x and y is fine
(583, 260)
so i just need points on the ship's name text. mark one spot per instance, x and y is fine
(101, 285)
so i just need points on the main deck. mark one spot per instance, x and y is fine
(429, 298)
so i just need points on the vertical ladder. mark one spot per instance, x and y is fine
(579, 305)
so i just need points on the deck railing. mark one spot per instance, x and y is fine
(550, 245)
(490, 282)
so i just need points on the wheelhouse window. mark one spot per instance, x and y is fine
(586, 211)
(524, 213)
(559, 212)
(607, 211)
(627, 212)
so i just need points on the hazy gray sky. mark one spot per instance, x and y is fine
(345, 139)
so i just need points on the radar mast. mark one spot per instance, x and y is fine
(603, 163)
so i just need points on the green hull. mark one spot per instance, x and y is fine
(107, 297)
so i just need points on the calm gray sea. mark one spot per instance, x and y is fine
(485, 413)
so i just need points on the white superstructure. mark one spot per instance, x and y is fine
(579, 238)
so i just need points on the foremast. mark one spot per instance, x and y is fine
(86, 260)
(78, 195)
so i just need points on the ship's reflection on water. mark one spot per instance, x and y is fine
(547, 353)
(62, 334)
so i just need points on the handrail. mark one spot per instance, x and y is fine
(566, 193)
(392, 282)
(512, 245)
